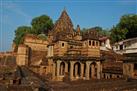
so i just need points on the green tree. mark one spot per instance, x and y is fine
(118, 34)
(41, 24)
(129, 22)
(126, 28)
(19, 33)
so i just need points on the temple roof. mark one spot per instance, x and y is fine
(64, 23)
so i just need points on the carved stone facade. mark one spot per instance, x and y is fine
(73, 54)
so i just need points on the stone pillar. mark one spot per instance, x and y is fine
(92, 71)
(128, 69)
(76, 70)
(53, 71)
(98, 70)
(22, 55)
(58, 67)
(41, 70)
(50, 62)
(82, 70)
(71, 70)
(61, 70)
(66, 67)
(101, 70)
(87, 70)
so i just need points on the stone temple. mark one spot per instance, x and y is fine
(68, 52)
(72, 54)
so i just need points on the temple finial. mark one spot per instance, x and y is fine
(78, 29)
(64, 8)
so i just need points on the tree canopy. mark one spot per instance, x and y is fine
(117, 34)
(42, 24)
(126, 28)
(129, 22)
(20, 32)
(100, 30)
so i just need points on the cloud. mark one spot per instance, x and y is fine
(128, 2)
(15, 8)
(6, 20)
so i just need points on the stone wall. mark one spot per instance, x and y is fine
(60, 48)
(35, 43)
(22, 55)
(128, 69)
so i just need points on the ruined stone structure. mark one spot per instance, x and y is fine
(128, 48)
(35, 43)
(22, 55)
(33, 49)
(130, 65)
(112, 66)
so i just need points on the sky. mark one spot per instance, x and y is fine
(86, 13)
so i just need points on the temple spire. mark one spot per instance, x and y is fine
(78, 30)
(64, 23)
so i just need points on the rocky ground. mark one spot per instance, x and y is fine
(31, 80)
(95, 85)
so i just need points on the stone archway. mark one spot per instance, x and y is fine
(104, 76)
(93, 70)
(77, 70)
(62, 68)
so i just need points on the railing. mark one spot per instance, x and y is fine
(130, 50)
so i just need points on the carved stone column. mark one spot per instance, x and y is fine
(87, 70)
(101, 71)
(66, 67)
(82, 70)
(71, 70)
(61, 70)
(53, 71)
(58, 67)
(76, 70)
(92, 71)
(98, 70)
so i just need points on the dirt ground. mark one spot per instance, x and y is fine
(95, 85)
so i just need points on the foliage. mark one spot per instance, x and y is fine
(129, 22)
(42, 24)
(126, 28)
(42, 36)
(19, 33)
(118, 34)
(102, 32)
